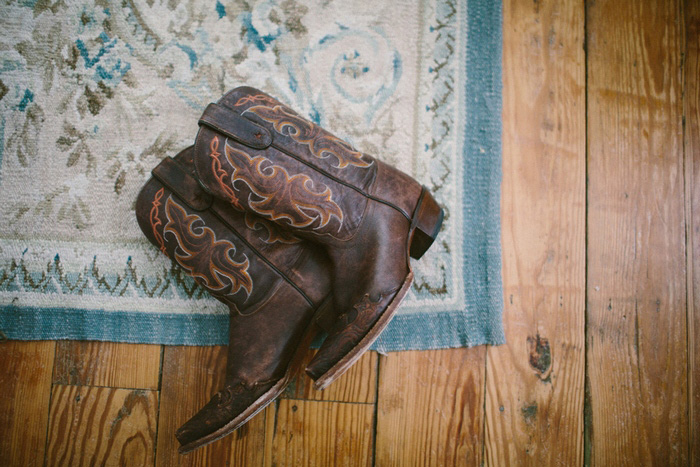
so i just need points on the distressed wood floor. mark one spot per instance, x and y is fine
(601, 268)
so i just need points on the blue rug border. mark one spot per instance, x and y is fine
(484, 132)
(189, 329)
(446, 329)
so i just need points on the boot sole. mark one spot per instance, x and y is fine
(263, 401)
(351, 357)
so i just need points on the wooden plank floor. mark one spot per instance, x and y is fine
(601, 270)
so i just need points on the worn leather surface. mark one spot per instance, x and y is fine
(285, 194)
(272, 282)
(235, 127)
(322, 189)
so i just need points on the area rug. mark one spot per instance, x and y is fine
(94, 94)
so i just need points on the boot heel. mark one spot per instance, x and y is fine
(426, 223)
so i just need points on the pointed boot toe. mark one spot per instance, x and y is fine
(230, 408)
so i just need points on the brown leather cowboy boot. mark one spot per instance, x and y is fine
(258, 154)
(273, 283)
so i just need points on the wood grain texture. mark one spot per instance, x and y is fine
(25, 385)
(101, 426)
(636, 309)
(319, 433)
(535, 384)
(430, 408)
(110, 364)
(191, 375)
(691, 112)
(358, 384)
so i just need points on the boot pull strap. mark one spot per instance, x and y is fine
(185, 186)
(227, 122)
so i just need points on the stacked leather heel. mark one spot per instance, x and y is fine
(295, 231)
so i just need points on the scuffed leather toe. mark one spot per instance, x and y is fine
(222, 409)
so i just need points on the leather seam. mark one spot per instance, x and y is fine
(210, 124)
(196, 151)
(261, 304)
(174, 191)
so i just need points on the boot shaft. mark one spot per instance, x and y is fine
(259, 154)
(237, 257)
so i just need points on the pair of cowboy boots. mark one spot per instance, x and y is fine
(295, 231)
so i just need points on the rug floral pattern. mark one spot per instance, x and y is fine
(94, 94)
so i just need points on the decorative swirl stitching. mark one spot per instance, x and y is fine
(204, 257)
(255, 99)
(274, 233)
(155, 220)
(321, 143)
(226, 395)
(282, 196)
(366, 311)
(220, 174)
